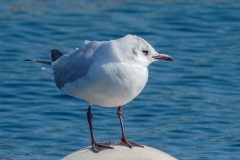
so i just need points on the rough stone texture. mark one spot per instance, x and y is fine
(120, 153)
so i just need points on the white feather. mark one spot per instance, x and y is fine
(86, 42)
(48, 70)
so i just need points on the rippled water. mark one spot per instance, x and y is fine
(189, 108)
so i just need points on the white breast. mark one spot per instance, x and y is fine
(109, 85)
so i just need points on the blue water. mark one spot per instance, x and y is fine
(189, 108)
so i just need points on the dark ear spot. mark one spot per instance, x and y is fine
(134, 52)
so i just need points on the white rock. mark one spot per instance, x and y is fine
(120, 153)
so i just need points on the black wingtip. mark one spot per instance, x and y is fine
(43, 62)
(55, 54)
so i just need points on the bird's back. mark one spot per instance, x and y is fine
(75, 64)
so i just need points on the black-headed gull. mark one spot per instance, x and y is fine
(105, 73)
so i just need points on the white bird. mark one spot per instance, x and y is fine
(105, 73)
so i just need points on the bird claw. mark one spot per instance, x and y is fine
(127, 143)
(101, 146)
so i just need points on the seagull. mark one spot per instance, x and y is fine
(104, 73)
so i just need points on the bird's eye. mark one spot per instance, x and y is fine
(145, 52)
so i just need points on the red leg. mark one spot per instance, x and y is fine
(124, 141)
(96, 146)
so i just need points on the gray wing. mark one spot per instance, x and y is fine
(75, 64)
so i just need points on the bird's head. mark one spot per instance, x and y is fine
(134, 48)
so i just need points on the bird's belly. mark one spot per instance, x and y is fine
(109, 86)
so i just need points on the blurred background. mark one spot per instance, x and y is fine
(189, 108)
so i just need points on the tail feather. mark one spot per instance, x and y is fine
(54, 55)
(43, 62)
